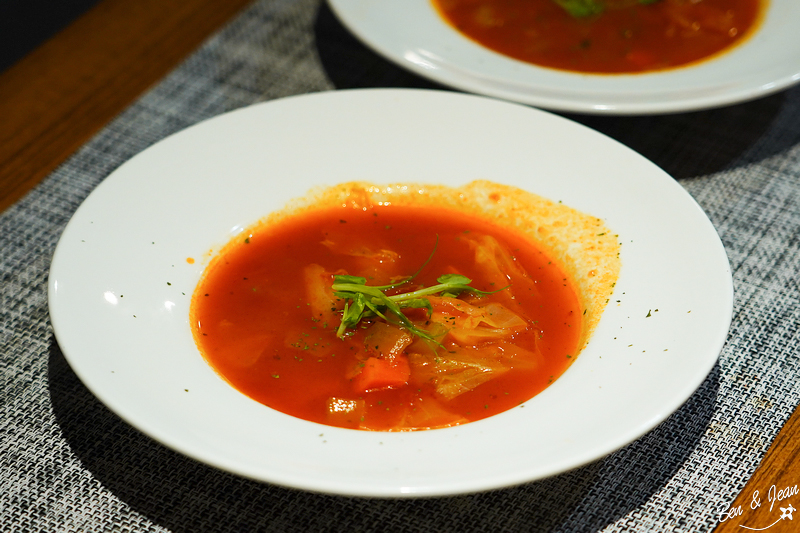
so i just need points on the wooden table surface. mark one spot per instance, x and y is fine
(59, 95)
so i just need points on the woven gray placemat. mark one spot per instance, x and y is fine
(68, 464)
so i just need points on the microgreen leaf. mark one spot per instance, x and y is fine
(417, 303)
(589, 8)
(454, 278)
(581, 8)
(364, 301)
(344, 278)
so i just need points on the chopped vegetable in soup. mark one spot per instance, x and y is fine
(405, 306)
(388, 318)
(605, 36)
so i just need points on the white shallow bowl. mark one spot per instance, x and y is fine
(120, 287)
(413, 35)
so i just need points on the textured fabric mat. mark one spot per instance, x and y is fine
(69, 464)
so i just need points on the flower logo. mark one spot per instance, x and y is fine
(786, 512)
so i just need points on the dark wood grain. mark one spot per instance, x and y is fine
(778, 479)
(55, 98)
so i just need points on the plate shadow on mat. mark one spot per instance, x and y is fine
(685, 145)
(183, 495)
(689, 145)
(351, 65)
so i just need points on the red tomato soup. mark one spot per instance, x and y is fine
(267, 316)
(604, 36)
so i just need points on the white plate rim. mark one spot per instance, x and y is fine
(762, 65)
(87, 346)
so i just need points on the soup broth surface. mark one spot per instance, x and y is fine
(267, 322)
(618, 36)
(405, 306)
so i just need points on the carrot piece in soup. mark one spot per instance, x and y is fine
(382, 374)
(641, 59)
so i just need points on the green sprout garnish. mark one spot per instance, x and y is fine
(365, 301)
(581, 8)
(588, 8)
